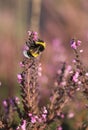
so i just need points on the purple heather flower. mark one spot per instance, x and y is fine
(86, 74)
(62, 116)
(19, 77)
(33, 119)
(18, 128)
(17, 100)
(74, 61)
(35, 33)
(39, 119)
(75, 44)
(30, 114)
(45, 110)
(51, 97)
(39, 74)
(21, 64)
(81, 51)
(11, 102)
(78, 43)
(63, 83)
(29, 33)
(36, 117)
(79, 82)
(44, 116)
(60, 128)
(26, 48)
(67, 71)
(70, 115)
(75, 77)
(39, 70)
(23, 126)
(5, 103)
(78, 89)
(71, 72)
(35, 36)
(69, 67)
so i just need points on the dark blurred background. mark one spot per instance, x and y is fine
(56, 21)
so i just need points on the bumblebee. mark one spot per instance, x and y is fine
(35, 49)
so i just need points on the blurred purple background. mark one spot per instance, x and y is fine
(56, 21)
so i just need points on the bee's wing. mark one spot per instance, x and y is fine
(25, 54)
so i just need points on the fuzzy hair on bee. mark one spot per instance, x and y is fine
(35, 48)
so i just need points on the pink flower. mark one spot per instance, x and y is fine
(17, 100)
(35, 36)
(62, 116)
(78, 43)
(44, 116)
(35, 33)
(86, 74)
(21, 64)
(5, 103)
(30, 114)
(45, 110)
(71, 115)
(19, 77)
(29, 33)
(75, 44)
(39, 119)
(39, 70)
(81, 51)
(26, 48)
(75, 77)
(68, 70)
(18, 128)
(23, 126)
(60, 128)
(74, 61)
(33, 119)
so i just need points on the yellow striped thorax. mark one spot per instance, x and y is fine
(43, 44)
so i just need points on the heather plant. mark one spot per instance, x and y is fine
(27, 114)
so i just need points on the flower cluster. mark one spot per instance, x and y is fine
(75, 44)
(68, 81)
